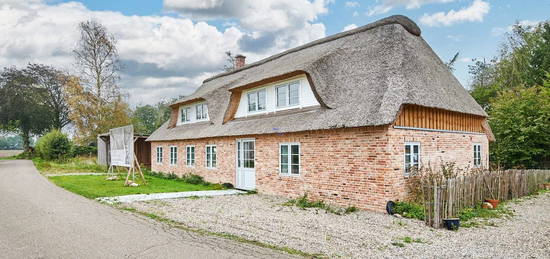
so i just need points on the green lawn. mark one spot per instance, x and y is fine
(93, 186)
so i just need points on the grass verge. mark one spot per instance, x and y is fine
(94, 186)
(172, 223)
(72, 165)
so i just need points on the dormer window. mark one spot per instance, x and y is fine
(288, 94)
(193, 113)
(185, 114)
(201, 111)
(257, 100)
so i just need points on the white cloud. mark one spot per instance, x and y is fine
(351, 4)
(164, 56)
(355, 14)
(269, 25)
(350, 27)
(465, 60)
(473, 13)
(498, 31)
(387, 5)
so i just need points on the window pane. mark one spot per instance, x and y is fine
(214, 158)
(294, 98)
(295, 149)
(284, 168)
(295, 159)
(284, 149)
(261, 100)
(295, 169)
(198, 112)
(204, 111)
(281, 96)
(415, 149)
(407, 149)
(284, 159)
(239, 154)
(252, 102)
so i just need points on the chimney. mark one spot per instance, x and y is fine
(239, 61)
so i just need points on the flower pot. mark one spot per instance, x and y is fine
(547, 186)
(452, 223)
(493, 202)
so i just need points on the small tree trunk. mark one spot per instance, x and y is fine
(26, 140)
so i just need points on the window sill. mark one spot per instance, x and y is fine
(289, 175)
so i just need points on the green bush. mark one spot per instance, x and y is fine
(193, 179)
(54, 146)
(78, 150)
(409, 210)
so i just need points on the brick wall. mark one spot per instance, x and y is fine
(435, 147)
(225, 149)
(355, 166)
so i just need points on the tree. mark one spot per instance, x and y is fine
(513, 89)
(23, 108)
(97, 59)
(483, 86)
(524, 59)
(520, 120)
(95, 99)
(90, 115)
(53, 82)
(148, 118)
(145, 119)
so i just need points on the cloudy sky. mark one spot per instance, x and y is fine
(168, 47)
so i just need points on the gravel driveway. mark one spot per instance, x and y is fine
(361, 234)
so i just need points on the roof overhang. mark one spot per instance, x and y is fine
(184, 102)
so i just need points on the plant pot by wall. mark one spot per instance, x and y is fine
(493, 202)
(452, 223)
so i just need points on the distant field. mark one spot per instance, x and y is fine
(6, 153)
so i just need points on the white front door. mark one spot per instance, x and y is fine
(246, 172)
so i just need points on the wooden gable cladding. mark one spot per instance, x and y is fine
(415, 116)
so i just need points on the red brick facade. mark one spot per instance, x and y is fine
(356, 166)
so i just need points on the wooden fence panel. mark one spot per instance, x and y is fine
(445, 199)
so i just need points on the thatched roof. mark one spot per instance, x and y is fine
(361, 77)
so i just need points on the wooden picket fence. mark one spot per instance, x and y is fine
(447, 197)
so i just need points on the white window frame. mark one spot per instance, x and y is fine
(190, 162)
(257, 93)
(212, 163)
(187, 111)
(290, 144)
(173, 155)
(287, 97)
(160, 151)
(477, 154)
(411, 144)
(204, 112)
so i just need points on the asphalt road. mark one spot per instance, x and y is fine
(41, 220)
